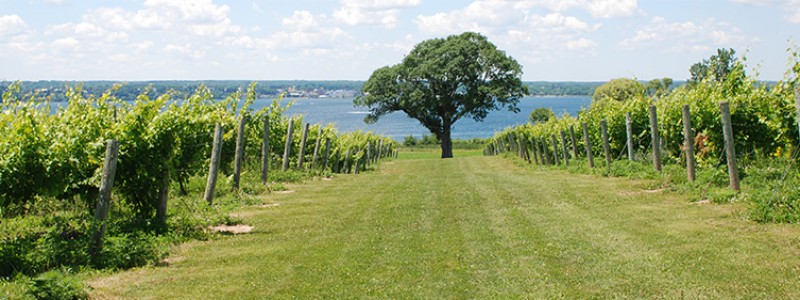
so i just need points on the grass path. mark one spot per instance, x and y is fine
(478, 228)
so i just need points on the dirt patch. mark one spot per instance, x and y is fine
(268, 205)
(284, 192)
(173, 259)
(326, 179)
(232, 229)
(703, 202)
(639, 192)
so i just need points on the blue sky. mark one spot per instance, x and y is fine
(554, 40)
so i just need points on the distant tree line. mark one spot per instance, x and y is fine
(55, 90)
(562, 88)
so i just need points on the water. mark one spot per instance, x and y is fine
(341, 113)
(347, 118)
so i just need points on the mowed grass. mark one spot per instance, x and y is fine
(478, 228)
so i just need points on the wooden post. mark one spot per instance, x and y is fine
(347, 162)
(797, 106)
(287, 149)
(543, 148)
(524, 149)
(520, 149)
(239, 156)
(358, 163)
(564, 148)
(327, 152)
(629, 133)
(213, 167)
(302, 152)
(316, 149)
(265, 151)
(535, 151)
(381, 152)
(336, 166)
(510, 144)
(574, 143)
(104, 198)
(655, 139)
(688, 143)
(368, 157)
(730, 152)
(555, 150)
(606, 147)
(588, 145)
(163, 191)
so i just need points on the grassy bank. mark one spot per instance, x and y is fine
(477, 227)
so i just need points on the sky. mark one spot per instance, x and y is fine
(554, 40)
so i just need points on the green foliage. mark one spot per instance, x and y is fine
(409, 141)
(58, 285)
(658, 87)
(443, 80)
(549, 88)
(541, 115)
(620, 89)
(55, 90)
(716, 68)
(631, 169)
(126, 251)
(51, 165)
(24, 152)
(763, 121)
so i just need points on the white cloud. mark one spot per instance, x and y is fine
(754, 2)
(201, 17)
(372, 12)
(791, 7)
(256, 8)
(686, 36)
(559, 22)
(193, 11)
(793, 11)
(66, 43)
(322, 38)
(581, 44)
(301, 19)
(185, 50)
(612, 8)
(519, 27)
(502, 15)
(143, 46)
(12, 25)
(605, 9)
(23, 44)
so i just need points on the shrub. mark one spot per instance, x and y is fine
(128, 251)
(59, 285)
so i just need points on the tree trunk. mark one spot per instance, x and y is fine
(447, 143)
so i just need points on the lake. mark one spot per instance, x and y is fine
(347, 118)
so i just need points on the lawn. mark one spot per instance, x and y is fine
(481, 228)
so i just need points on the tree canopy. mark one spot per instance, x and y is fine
(658, 87)
(541, 115)
(444, 79)
(715, 68)
(620, 89)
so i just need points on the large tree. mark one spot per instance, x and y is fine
(620, 89)
(444, 79)
(715, 68)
